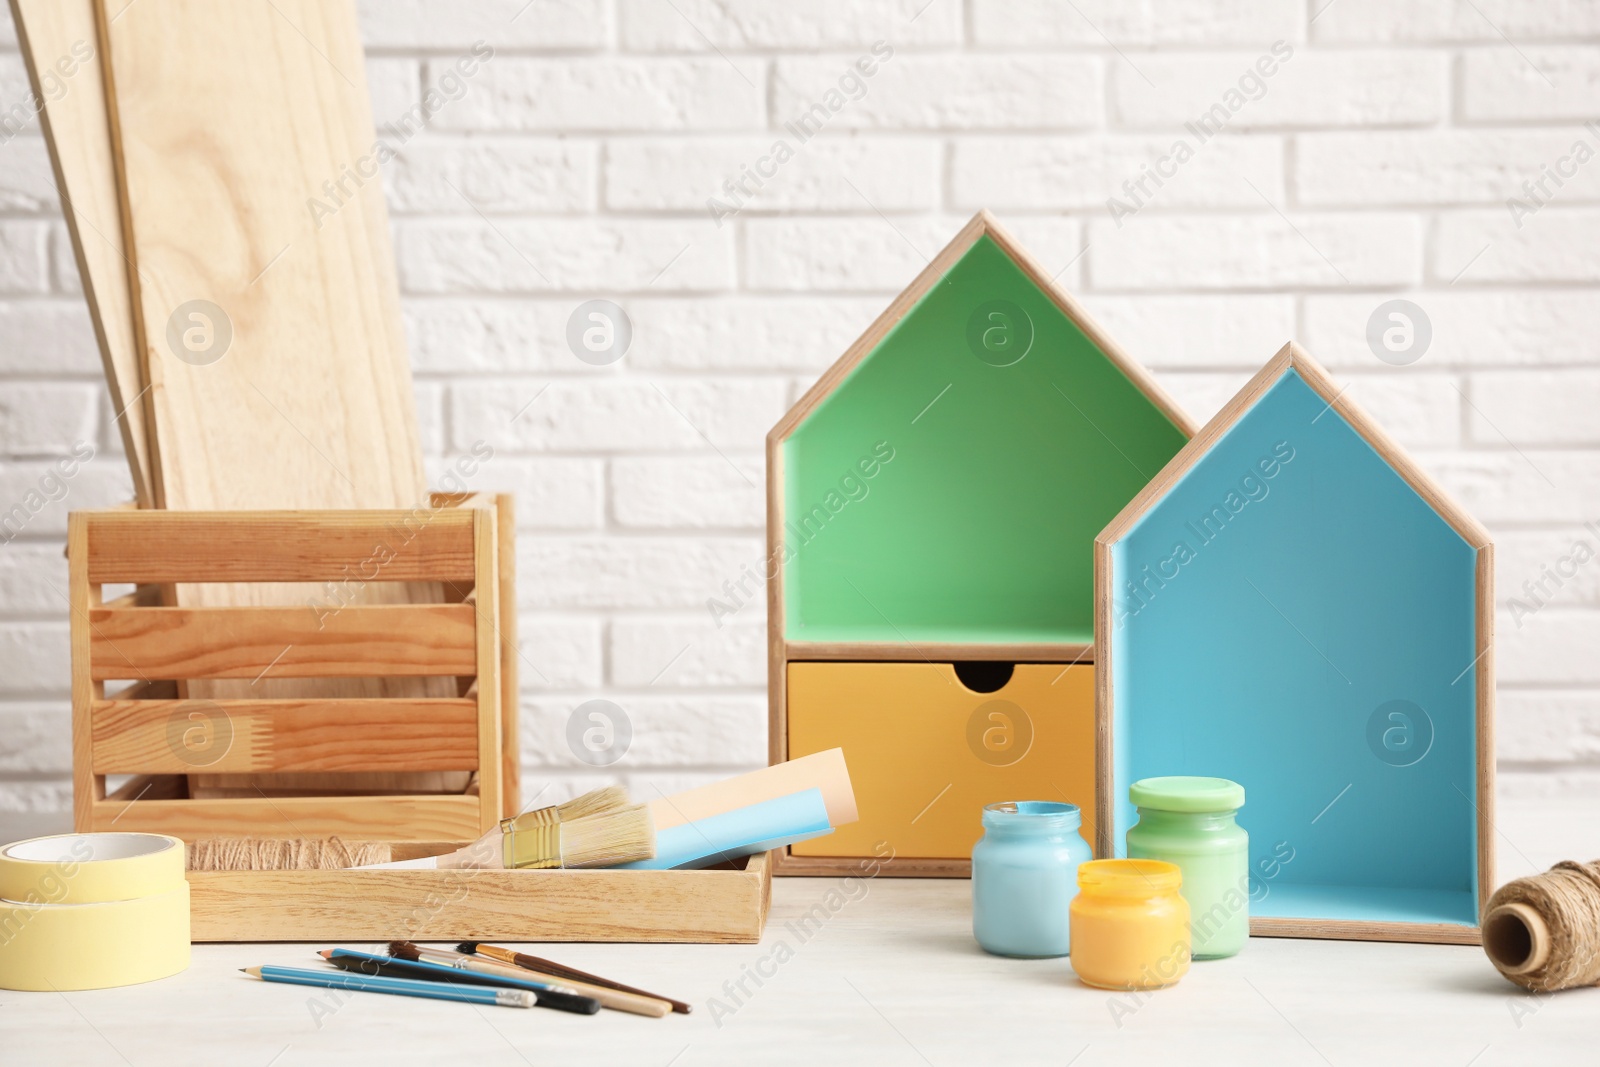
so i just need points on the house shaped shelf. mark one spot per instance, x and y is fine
(1294, 605)
(933, 500)
(1003, 430)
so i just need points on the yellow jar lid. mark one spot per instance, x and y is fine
(1141, 878)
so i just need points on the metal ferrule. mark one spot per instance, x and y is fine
(532, 844)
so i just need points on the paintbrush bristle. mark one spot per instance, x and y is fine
(469, 947)
(609, 839)
(404, 950)
(595, 802)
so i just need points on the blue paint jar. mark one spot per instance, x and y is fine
(1024, 876)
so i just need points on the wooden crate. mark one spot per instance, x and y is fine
(465, 544)
(150, 732)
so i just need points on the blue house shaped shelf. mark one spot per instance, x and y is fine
(1294, 605)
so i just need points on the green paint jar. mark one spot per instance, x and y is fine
(1189, 822)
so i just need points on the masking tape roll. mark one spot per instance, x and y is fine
(94, 946)
(90, 868)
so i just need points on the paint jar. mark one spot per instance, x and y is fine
(1189, 822)
(1130, 925)
(1024, 876)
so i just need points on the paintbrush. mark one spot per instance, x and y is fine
(550, 968)
(609, 998)
(605, 831)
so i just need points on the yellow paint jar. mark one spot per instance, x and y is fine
(1130, 926)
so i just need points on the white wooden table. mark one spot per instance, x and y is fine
(892, 976)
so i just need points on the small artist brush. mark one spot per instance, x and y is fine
(548, 837)
(550, 968)
(548, 995)
(609, 998)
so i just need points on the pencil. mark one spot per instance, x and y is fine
(608, 998)
(551, 967)
(559, 997)
(405, 987)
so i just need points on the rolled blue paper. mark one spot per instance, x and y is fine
(741, 832)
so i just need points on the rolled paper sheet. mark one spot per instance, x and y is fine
(824, 771)
(744, 831)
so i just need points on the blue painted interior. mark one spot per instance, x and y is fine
(1311, 599)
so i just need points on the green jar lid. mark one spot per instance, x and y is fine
(1187, 794)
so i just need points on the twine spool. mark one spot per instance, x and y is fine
(292, 854)
(1543, 932)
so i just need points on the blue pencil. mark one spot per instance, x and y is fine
(549, 995)
(405, 987)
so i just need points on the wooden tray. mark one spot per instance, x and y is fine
(721, 906)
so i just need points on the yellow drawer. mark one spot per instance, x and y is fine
(926, 752)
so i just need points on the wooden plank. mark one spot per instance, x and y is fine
(387, 639)
(88, 788)
(510, 651)
(1357, 930)
(225, 165)
(362, 818)
(714, 907)
(149, 736)
(1487, 830)
(484, 604)
(224, 157)
(424, 544)
(940, 652)
(786, 863)
(59, 37)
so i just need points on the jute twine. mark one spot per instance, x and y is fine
(294, 854)
(1567, 898)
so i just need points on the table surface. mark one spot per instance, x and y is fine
(891, 976)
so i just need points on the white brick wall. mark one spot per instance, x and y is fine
(1375, 160)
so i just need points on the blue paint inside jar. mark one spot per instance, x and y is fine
(1024, 876)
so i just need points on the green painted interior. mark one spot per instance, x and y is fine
(981, 526)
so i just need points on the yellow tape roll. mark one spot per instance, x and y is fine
(90, 868)
(94, 946)
(91, 911)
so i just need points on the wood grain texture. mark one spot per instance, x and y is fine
(179, 643)
(366, 818)
(284, 546)
(486, 688)
(224, 158)
(141, 736)
(58, 39)
(225, 163)
(713, 907)
(88, 788)
(1357, 930)
(510, 652)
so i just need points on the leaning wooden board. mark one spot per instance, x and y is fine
(58, 41)
(266, 307)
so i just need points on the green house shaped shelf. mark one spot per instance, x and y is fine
(933, 500)
(1003, 430)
